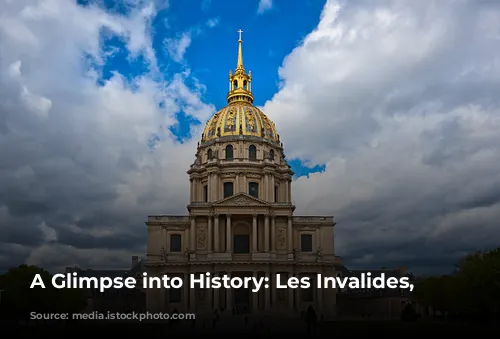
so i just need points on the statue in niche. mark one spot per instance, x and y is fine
(281, 239)
(202, 238)
(319, 254)
(163, 253)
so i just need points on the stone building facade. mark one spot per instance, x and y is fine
(241, 220)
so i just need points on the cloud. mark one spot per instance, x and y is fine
(400, 101)
(212, 22)
(264, 6)
(177, 47)
(79, 171)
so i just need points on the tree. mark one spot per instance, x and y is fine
(472, 290)
(480, 276)
(18, 299)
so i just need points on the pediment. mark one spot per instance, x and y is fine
(241, 199)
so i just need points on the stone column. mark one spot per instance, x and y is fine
(192, 234)
(273, 234)
(267, 295)
(215, 187)
(290, 295)
(229, 297)
(216, 233)
(185, 294)
(210, 234)
(216, 294)
(228, 233)
(319, 300)
(255, 296)
(192, 296)
(290, 235)
(289, 185)
(209, 187)
(318, 238)
(266, 234)
(254, 233)
(274, 290)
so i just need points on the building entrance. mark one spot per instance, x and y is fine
(242, 297)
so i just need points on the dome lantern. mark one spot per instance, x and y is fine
(240, 83)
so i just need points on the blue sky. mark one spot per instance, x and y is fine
(269, 35)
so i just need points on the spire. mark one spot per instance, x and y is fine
(239, 65)
(240, 83)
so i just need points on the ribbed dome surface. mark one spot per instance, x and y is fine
(240, 118)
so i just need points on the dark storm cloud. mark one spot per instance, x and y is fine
(406, 120)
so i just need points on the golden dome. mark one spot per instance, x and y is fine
(240, 118)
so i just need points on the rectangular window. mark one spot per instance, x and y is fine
(175, 243)
(275, 193)
(228, 189)
(306, 243)
(205, 193)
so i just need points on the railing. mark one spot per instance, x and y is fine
(312, 219)
(169, 218)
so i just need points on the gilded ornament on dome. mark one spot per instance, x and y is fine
(231, 119)
(230, 122)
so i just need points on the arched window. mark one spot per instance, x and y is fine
(210, 154)
(252, 152)
(235, 84)
(245, 85)
(229, 152)
(228, 189)
(241, 243)
(253, 189)
(271, 155)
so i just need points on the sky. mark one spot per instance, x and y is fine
(389, 112)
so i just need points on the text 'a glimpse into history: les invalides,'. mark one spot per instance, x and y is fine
(206, 280)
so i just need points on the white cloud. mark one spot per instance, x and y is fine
(178, 46)
(212, 22)
(400, 101)
(74, 153)
(264, 6)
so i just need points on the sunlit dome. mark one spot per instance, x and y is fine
(240, 117)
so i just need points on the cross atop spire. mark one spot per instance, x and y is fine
(240, 31)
